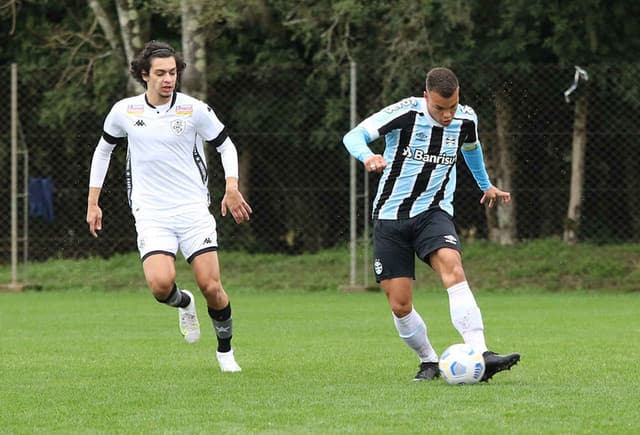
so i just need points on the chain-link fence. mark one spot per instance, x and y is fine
(288, 125)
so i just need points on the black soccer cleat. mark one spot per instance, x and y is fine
(494, 363)
(427, 371)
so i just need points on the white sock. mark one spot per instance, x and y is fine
(466, 316)
(413, 331)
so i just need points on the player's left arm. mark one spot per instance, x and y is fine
(209, 126)
(233, 199)
(474, 158)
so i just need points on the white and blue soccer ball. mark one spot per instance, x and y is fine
(460, 364)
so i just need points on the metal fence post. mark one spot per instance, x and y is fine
(16, 151)
(354, 285)
(14, 285)
(353, 236)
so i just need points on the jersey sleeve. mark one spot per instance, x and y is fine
(100, 163)
(393, 117)
(356, 143)
(472, 151)
(113, 125)
(208, 126)
(229, 158)
(380, 123)
(112, 134)
(214, 133)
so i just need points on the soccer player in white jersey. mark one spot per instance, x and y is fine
(413, 210)
(165, 132)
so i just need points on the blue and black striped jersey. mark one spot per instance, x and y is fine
(421, 157)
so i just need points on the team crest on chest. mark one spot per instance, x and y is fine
(178, 126)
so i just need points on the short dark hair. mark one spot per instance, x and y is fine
(442, 81)
(142, 62)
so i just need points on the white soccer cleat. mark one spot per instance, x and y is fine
(227, 361)
(189, 325)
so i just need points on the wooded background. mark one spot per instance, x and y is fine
(277, 73)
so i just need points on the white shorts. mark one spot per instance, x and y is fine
(193, 232)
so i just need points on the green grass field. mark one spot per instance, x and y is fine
(92, 352)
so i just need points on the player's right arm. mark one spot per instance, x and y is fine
(99, 168)
(94, 212)
(357, 140)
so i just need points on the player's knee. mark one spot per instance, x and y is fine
(401, 309)
(212, 289)
(453, 275)
(161, 286)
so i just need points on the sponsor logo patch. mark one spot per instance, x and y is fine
(184, 110)
(466, 109)
(135, 109)
(407, 102)
(421, 156)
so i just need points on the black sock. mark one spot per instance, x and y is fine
(222, 324)
(176, 298)
(220, 315)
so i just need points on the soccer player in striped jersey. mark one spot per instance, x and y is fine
(165, 132)
(413, 210)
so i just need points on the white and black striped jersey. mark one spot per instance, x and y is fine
(421, 157)
(166, 165)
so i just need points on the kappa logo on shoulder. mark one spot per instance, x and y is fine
(140, 123)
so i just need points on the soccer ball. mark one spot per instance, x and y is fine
(460, 364)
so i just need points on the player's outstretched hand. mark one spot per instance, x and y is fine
(493, 194)
(235, 203)
(94, 219)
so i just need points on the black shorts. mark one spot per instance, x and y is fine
(397, 242)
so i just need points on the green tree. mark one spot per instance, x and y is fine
(591, 33)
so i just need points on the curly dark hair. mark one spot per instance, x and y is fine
(443, 81)
(142, 62)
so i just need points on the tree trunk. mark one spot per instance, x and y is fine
(501, 220)
(110, 33)
(132, 39)
(572, 224)
(194, 78)
(128, 42)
